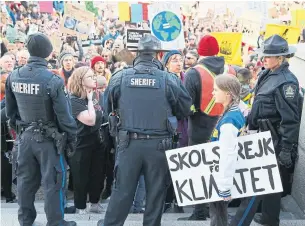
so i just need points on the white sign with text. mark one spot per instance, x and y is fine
(194, 170)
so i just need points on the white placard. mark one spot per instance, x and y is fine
(166, 25)
(194, 170)
(251, 25)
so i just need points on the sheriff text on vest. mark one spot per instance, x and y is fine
(27, 88)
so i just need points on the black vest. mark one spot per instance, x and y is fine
(143, 105)
(29, 86)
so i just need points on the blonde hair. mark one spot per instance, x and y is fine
(281, 59)
(229, 83)
(75, 82)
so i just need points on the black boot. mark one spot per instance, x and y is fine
(193, 217)
(69, 223)
(100, 222)
(70, 210)
(106, 193)
(258, 218)
(167, 207)
(178, 209)
(11, 198)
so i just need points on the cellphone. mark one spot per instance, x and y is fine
(70, 39)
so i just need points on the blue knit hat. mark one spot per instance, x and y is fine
(168, 55)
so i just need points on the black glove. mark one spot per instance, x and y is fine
(70, 149)
(285, 158)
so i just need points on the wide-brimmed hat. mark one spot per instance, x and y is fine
(149, 43)
(276, 46)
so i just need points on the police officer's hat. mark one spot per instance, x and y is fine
(149, 43)
(276, 46)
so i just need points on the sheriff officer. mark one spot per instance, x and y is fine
(276, 108)
(148, 102)
(36, 105)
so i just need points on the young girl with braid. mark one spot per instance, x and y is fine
(226, 92)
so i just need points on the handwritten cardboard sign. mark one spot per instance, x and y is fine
(76, 21)
(195, 170)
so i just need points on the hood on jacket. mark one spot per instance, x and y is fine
(214, 63)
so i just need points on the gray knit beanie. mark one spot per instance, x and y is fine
(63, 55)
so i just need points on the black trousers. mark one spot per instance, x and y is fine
(87, 167)
(170, 194)
(132, 159)
(109, 167)
(6, 176)
(38, 162)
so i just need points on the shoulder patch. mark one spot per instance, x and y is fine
(289, 91)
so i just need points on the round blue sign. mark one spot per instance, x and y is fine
(166, 26)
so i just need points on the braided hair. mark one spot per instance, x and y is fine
(229, 83)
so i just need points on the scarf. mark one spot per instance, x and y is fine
(67, 74)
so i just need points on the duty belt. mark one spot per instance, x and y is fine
(137, 136)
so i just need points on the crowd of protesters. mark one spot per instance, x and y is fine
(86, 71)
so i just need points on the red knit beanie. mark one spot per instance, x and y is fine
(208, 46)
(96, 59)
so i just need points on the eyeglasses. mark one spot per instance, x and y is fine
(104, 55)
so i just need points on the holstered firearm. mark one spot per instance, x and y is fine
(172, 128)
(60, 142)
(60, 139)
(265, 125)
(114, 121)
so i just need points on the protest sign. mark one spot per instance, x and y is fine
(46, 7)
(230, 46)
(186, 9)
(56, 42)
(33, 28)
(166, 25)
(124, 11)
(195, 170)
(136, 13)
(76, 21)
(298, 18)
(259, 7)
(133, 36)
(290, 33)
(145, 10)
(251, 25)
(91, 8)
